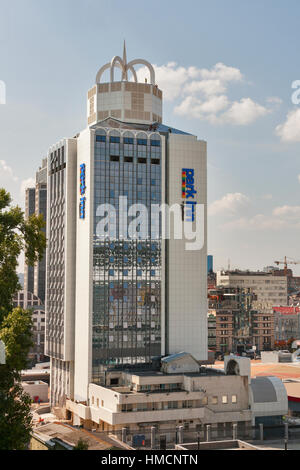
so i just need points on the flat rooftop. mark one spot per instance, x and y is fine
(204, 371)
(218, 445)
(282, 370)
(293, 390)
(71, 436)
(247, 273)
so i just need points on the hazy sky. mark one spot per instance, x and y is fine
(226, 69)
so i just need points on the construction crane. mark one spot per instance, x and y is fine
(286, 263)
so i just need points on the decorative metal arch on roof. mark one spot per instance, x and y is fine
(117, 61)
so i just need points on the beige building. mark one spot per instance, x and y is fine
(270, 290)
(181, 394)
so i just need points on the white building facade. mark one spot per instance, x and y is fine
(118, 298)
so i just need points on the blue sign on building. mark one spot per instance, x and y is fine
(82, 192)
(189, 193)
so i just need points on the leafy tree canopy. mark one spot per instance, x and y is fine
(16, 235)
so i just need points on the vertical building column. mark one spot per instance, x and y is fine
(261, 432)
(234, 434)
(153, 437)
(208, 433)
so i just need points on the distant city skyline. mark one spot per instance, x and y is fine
(230, 69)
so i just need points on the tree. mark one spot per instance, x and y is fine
(81, 445)
(16, 235)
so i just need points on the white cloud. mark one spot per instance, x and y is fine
(202, 93)
(256, 223)
(231, 202)
(222, 72)
(7, 170)
(27, 183)
(170, 78)
(208, 87)
(274, 100)
(287, 211)
(198, 109)
(289, 131)
(244, 112)
(281, 218)
(13, 184)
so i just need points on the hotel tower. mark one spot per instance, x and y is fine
(117, 300)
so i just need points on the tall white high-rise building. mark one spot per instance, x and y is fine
(116, 300)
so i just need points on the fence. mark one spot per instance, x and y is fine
(155, 438)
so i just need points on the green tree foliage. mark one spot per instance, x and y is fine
(16, 235)
(81, 445)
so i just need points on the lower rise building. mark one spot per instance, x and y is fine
(287, 323)
(179, 393)
(238, 324)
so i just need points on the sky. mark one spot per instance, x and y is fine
(226, 69)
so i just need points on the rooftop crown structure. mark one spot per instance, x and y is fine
(128, 101)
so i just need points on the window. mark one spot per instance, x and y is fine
(224, 399)
(204, 401)
(128, 140)
(128, 159)
(114, 140)
(214, 400)
(100, 138)
(142, 141)
(155, 161)
(234, 399)
(142, 160)
(173, 405)
(155, 143)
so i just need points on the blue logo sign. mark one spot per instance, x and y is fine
(189, 193)
(82, 192)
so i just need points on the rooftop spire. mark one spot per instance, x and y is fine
(125, 73)
(125, 67)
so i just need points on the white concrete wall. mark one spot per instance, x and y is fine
(36, 389)
(84, 267)
(269, 357)
(277, 408)
(187, 270)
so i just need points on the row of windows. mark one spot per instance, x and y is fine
(139, 272)
(170, 405)
(127, 140)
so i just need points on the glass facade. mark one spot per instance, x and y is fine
(126, 270)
